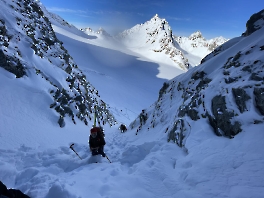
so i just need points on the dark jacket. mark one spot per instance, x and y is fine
(98, 141)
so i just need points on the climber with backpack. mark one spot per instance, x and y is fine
(97, 141)
(123, 128)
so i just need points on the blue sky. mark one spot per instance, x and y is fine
(225, 18)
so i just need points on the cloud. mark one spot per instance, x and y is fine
(65, 10)
(178, 19)
(83, 13)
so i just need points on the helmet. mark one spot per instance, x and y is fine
(93, 132)
(94, 129)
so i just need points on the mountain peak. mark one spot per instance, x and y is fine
(195, 35)
(156, 36)
(156, 16)
(100, 31)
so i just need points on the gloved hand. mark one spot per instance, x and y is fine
(95, 148)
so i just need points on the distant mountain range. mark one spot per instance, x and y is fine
(156, 36)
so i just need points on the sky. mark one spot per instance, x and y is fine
(213, 18)
(34, 151)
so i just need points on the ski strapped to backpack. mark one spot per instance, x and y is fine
(99, 129)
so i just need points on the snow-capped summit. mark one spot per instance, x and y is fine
(156, 16)
(197, 47)
(154, 39)
(156, 36)
(87, 30)
(100, 33)
(196, 35)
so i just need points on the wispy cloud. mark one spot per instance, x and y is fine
(178, 19)
(65, 10)
(85, 16)
(140, 14)
(83, 13)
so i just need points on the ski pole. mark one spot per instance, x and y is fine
(71, 147)
(108, 158)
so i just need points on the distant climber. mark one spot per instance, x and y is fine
(143, 117)
(97, 141)
(123, 128)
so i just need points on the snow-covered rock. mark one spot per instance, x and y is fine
(255, 22)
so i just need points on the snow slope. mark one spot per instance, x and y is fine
(35, 155)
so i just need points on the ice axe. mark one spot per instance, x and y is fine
(71, 147)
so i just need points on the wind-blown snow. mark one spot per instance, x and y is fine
(34, 151)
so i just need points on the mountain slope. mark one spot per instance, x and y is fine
(30, 48)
